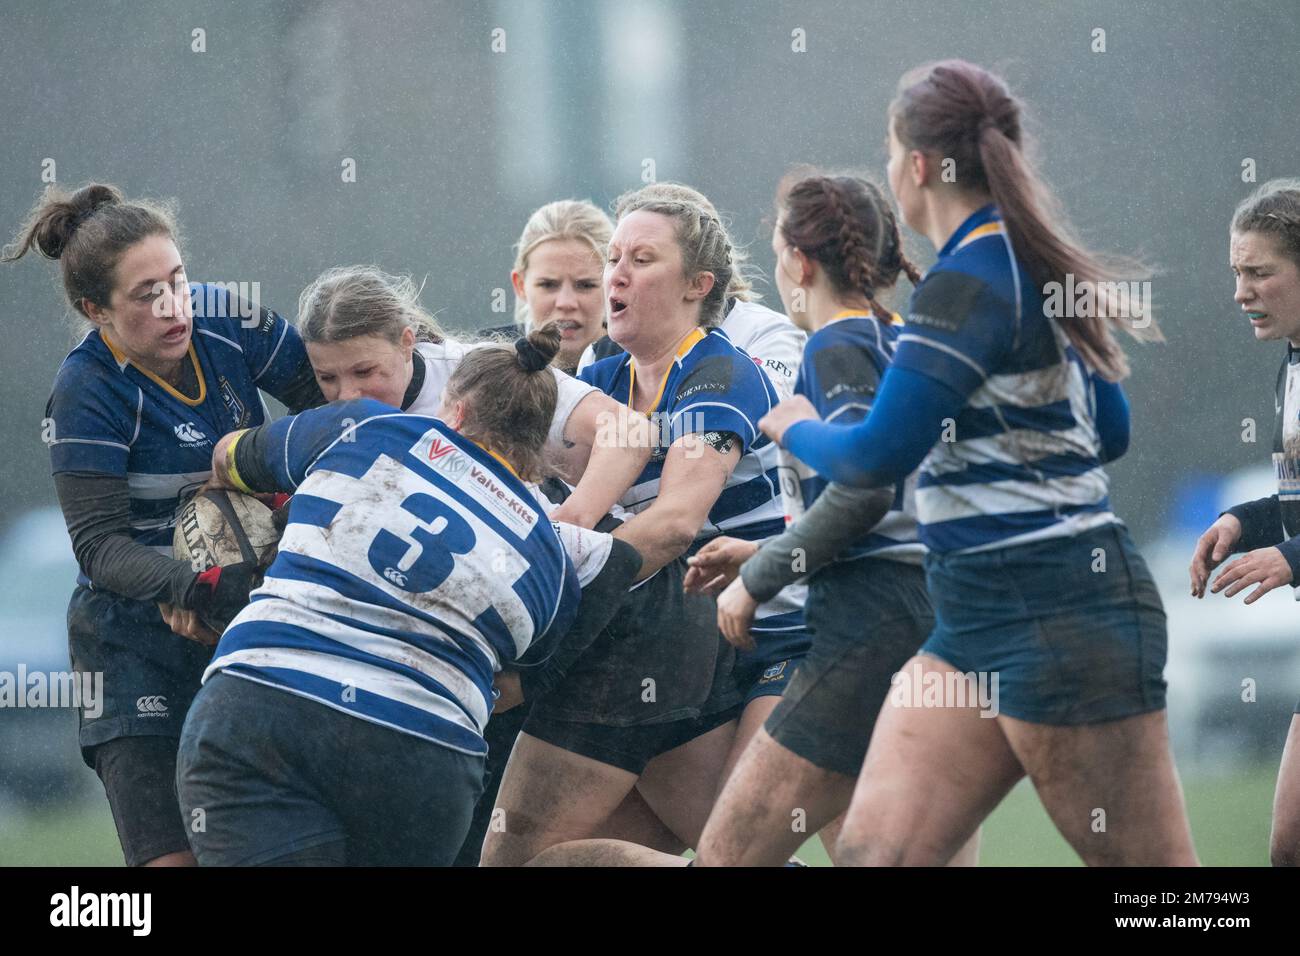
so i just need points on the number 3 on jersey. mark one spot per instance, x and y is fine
(424, 557)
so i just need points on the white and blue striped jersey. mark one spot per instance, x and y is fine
(107, 416)
(414, 563)
(713, 386)
(840, 373)
(1024, 462)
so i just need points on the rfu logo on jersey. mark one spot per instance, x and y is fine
(776, 366)
(189, 435)
(441, 453)
(151, 706)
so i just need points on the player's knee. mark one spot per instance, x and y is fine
(863, 845)
(870, 844)
(1104, 851)
(867, 852)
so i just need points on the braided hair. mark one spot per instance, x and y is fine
(844, 224)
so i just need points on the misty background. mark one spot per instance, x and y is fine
(455, 143)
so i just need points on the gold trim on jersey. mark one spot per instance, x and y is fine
(979, 232)
(122, 359)
(509, 467)
(688, 343)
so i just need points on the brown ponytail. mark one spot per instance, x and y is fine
(509, 393)
(962, 112)
(844, 224)
(88, 231)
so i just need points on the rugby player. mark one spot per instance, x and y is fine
(767, 662)
(367, 335)
(837, 248)
(1265, 258)
(1034, 580)
(559, 259)
(652, 704)
(167, 368)
(341, 718)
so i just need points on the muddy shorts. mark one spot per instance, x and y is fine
(868, 618)
(265, 776)
(1072, 628)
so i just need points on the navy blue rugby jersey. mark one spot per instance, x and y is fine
(413, 565)
(1025, 462)
(839, 373)
(110, 417)
(714, 386)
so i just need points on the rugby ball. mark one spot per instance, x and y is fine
(220, 527)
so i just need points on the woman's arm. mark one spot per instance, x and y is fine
(1261, 524)
(839, 517)
(882, 449)
(602, 597)
(694, 474)
(611, 446)
(1111, 415)
(96, 509)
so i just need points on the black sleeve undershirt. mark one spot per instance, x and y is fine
(601, 599)
(1261, 523)
(96, 509)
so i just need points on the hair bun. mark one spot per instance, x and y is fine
(90, 198)
(539, 347)
(63, 216)
(531, 359)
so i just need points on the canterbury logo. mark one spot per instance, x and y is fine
(188, 432)
(151, 705)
